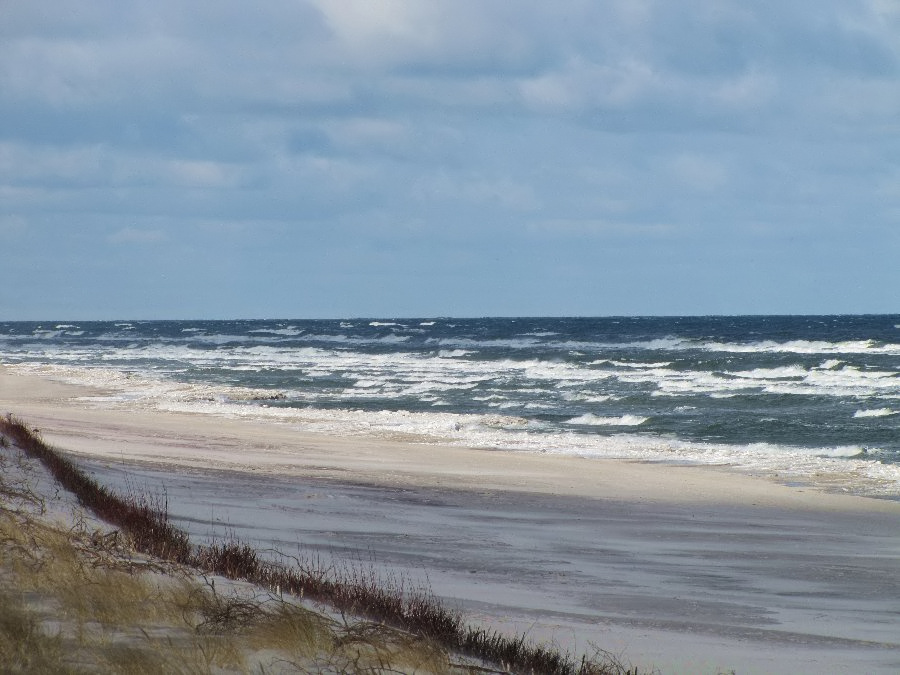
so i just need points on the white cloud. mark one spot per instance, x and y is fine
(362, 25)
(438, 36)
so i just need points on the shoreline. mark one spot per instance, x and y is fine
(208, 441)
(687, 568)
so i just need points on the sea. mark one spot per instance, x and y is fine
(804, 400)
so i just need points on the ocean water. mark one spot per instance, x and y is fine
(807, 400)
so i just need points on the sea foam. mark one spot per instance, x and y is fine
(877, 412)
(589, 419)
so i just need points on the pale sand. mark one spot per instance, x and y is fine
(688, 568)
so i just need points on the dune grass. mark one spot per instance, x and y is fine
(68, 607)
(405, 630)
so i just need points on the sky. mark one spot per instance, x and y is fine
(415, 158)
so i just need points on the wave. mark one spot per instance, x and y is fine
(804, 347)
(877, 412)
(781, 373)
(851, 466)
(290, 331)
(453, 353)
(589, 419)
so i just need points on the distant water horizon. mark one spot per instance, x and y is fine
(803, 399)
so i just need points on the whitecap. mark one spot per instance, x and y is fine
(590, 419)
(290, 331)
(586, 397)
(782, 372)
(804, 347)
(391, 339)
(877, 412)
(635, 364)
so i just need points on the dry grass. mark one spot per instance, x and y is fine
(80, 601)
(66, 609)
(84, 601)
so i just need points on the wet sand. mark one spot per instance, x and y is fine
(690, 569)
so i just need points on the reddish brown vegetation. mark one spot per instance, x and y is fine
(419, 612)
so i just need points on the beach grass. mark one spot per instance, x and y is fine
(83, 602)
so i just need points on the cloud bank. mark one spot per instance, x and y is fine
(313, 158)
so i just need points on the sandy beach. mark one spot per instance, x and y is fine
(689, 569)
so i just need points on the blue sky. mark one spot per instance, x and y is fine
(313, 158)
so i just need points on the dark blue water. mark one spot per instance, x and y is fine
(776, 394)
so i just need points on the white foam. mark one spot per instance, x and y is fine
(586, 397)
(834, 467)
(877, 412)
(453, 353)
(783, 372)
(393, 339)
(596, 420)
(636, 364)
(290, 331)
(383, 323)
(805, 347)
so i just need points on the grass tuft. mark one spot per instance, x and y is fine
(403, 616)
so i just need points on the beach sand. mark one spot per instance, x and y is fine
(689, 569)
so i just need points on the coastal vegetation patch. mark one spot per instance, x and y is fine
(142, 598)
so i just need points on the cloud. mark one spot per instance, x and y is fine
(697, 172)
(133, 235)
(321, 123)
(586, 230)
(476, 190)
(12, 224)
